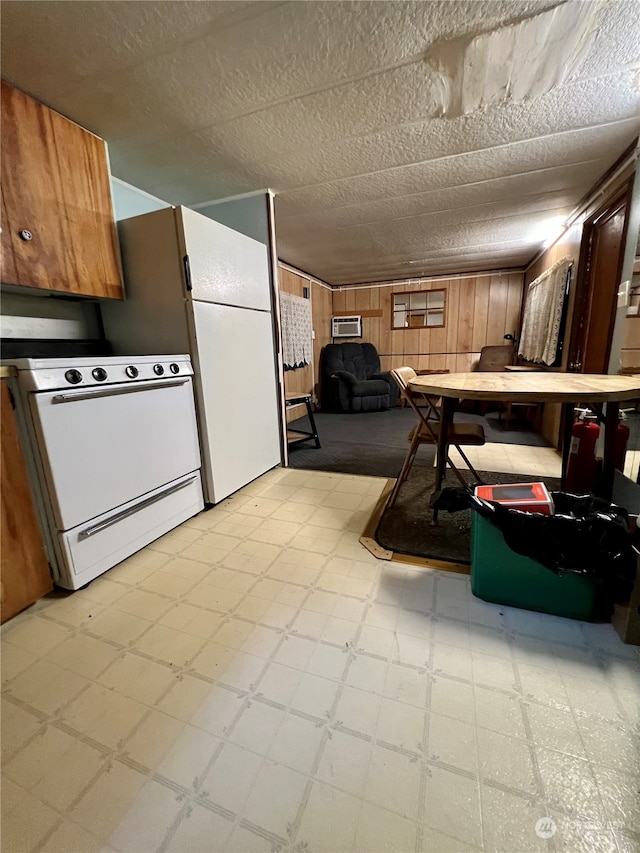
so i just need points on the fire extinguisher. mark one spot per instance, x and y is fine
(582, 469)
(620, 443)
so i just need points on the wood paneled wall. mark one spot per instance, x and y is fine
(306, 379)
(479, 311)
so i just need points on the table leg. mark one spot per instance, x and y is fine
(446, 418)
(567, 413)
(312, 421)
(610, 428)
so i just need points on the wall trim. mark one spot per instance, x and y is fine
(420, 279)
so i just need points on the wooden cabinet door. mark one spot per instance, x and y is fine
(24, 570)
(55, 185)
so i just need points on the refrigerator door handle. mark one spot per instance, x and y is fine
(187, 273)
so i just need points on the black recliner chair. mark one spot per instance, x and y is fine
(351, 379)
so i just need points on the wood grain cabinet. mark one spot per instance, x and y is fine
(58, 229)
(24, 575)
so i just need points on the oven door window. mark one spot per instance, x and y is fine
(101, 447)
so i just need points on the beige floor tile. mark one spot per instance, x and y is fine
(105, 805)
(279, 683)
(71, 838)
(35, 635)
(152, 739)
(16, 727)
(119, 627)
(257, 727)
(170, 646)
(84, 655)
(393, 782)
(275, 797)
(452, 807)
(14, 660)
(186, 761)
(47, 687)
(230, 780)
(138, 678)
(213, 661)
(315, 695)
(358, 710)
(200, 831)
(453, 699)
(453, 742)
(345, 762)
(145, 824)
(224, 672)
(509, 821)
(401, 725)
(379, 829)
(167, 584)
(329, 820)
(506, 760)
(104, 715)
(297, 743)
(26, 820)
(244, 671)
(243, 840)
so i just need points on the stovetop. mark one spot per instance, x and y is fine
(48, 374)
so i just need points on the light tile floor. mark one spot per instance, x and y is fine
(257, 681)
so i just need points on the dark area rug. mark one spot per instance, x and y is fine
(375, 443)
(408, 527)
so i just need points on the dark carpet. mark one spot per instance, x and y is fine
(375, 443)
(408, 527)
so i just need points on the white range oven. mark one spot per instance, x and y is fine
(113, 456)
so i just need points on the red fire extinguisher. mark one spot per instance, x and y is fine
(582, 469)
(620, 443)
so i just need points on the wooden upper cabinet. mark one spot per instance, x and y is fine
(55, 189)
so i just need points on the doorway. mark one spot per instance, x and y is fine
(602, 255)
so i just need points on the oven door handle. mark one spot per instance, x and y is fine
(111, 391)
(98, 528)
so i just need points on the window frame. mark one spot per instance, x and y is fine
(409, 294)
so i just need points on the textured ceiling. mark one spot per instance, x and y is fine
(401, 138)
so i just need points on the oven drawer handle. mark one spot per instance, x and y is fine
(110, 392)
(98, 528)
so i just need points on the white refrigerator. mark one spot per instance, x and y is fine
(194, 285)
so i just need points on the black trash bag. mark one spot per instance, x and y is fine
(586, 536)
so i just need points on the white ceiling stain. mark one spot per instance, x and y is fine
(400, 137)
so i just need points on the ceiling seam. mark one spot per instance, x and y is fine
(490, 148)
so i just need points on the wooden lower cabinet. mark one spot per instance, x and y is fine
(24, 570)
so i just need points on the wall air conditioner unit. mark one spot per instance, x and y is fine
(346, 327)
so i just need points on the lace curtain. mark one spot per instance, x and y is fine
(295, 315)
(543, 314)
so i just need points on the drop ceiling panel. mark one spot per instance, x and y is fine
(448, 134)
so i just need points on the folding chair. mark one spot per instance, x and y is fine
(427, 431)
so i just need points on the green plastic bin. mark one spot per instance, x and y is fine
(500, 575)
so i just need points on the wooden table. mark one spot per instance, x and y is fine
(534, 387)
(295, 436)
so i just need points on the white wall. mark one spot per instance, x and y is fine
(130, 201)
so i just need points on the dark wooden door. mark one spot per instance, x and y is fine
(596, 296)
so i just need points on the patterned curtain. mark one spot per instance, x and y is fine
(295, 315)
(543, 314)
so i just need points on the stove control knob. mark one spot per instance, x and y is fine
(131, 371)
(99, 374)
(174, 368)
(73, 376)
(158, 369)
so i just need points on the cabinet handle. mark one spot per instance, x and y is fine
(25, 235)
